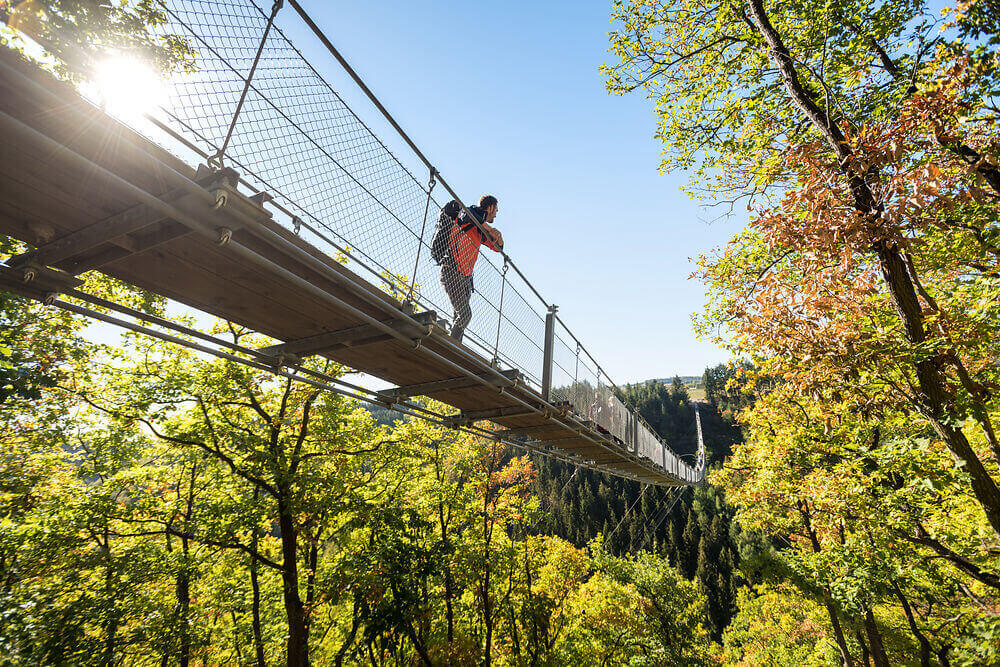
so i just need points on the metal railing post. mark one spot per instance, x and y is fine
(576, 370)
(219, 154)
(550, 334)
(503, 286)
(635, 431)
(420, 243)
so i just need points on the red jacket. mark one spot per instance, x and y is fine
(464, 243)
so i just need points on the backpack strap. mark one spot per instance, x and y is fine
(465, 224)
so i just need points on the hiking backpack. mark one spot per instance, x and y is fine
(442, 233)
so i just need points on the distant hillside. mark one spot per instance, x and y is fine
(695, 384)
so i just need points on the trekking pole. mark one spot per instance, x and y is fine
(420, 244)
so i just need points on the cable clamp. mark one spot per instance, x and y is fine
(221, 198)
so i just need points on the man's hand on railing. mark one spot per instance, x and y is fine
(495, 236)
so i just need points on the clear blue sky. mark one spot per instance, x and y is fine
(506, 98)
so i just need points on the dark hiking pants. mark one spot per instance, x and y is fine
(459, 289)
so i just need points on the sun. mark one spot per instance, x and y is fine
(127, 87)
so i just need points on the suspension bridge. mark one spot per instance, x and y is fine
(257, 195)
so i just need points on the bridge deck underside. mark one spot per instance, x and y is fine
(78, 217)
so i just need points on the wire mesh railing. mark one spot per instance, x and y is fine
(256, 104)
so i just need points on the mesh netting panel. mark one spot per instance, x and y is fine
(297, 139)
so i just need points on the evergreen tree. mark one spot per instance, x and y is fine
(692, 539)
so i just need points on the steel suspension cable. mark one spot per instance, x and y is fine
(246, 87)
(607, 539)
(420, 245)
(662, 518)
(392, 121)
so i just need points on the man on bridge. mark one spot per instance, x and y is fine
(463, 250)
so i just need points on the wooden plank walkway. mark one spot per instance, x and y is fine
(86, 192)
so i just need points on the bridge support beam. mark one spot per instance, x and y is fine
(464, 382)
(364, 334)
(550, 332)
(469, 416)
(37, 282)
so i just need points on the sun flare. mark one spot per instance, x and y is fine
(128, 87)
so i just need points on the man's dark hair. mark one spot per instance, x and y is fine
(486, 201)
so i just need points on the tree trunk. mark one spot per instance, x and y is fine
(183, 585)
(875, 640)
(838, 632)
(355, 623)
(183, 589)
(930, 381)
(866, 656)
(449, 582)
(487, 564)
(258, 641)
(925, 646)
(111, 624)
(298, 639)
(417, 644)
(313, 559)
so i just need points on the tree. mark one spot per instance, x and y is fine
(852, 499)
(828, 103)
(778, 626)
(275, 440)
(82, 33)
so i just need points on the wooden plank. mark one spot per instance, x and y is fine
(430, 388)
(169, 232)
(192, 279)
(538, 432)
(359, 335)
(501, 413)
(471, 416)
(96, 234)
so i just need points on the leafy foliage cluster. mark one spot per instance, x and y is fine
(863, 139)
(157, 507)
